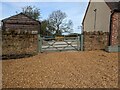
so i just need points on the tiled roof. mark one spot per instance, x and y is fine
(114, 5)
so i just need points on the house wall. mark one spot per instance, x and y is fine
(102, 17)
(96, 30)
(115, 32)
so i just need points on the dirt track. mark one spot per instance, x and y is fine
(94, 69)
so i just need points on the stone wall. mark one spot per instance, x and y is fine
(19, 44)
(95, 40)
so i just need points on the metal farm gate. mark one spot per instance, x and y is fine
(59, 44)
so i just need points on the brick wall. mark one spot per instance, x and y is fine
(95, 40)
(19, 44)
(114, 29)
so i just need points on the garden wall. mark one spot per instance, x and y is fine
(23, 44)
(95, 40)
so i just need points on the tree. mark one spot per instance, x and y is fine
(32, 12)
(44, 29)
(44, 24)
(57, 23)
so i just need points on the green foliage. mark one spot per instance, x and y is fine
(32, 12)
(43, 27)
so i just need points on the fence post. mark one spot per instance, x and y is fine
(81, 42)
(78, 42)
(39, 43)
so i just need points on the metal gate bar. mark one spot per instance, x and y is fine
(60, 44)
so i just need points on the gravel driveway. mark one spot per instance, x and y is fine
(88, 69)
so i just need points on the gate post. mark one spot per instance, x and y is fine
(78, 42)
(81, 42)
(39, 43)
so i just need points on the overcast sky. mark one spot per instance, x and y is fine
(74, 10)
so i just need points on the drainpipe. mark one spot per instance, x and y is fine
(95, 19)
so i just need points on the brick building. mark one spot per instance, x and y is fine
(101, 26)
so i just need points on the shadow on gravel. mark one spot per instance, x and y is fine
(16, 56)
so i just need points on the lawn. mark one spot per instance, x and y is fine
(88, 69)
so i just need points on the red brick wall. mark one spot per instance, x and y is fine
(114, 29)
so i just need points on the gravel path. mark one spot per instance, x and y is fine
(89, 69)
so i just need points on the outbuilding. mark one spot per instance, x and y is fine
(20, 36)
(21, 23)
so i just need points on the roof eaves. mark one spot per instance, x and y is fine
(31, 18)
(113, 4)
(86, 11)
(9, 17)
(19, 14)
